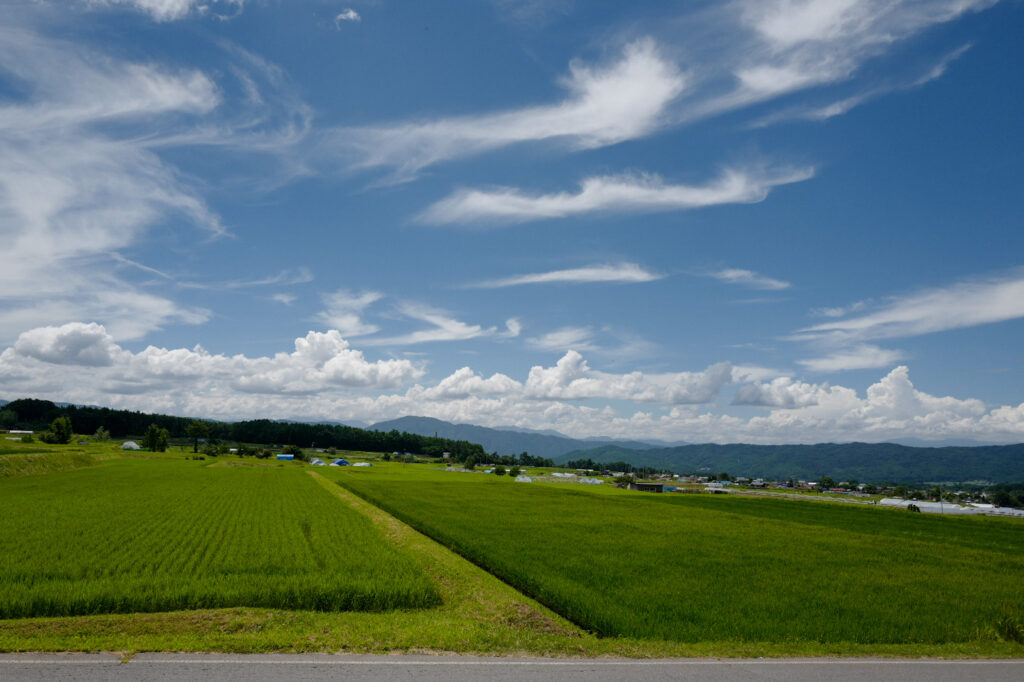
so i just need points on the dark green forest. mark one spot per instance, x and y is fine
(38, 415)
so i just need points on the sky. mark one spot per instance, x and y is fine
(767, 221)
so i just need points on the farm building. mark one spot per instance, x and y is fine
(317, 462)
(339, 463)
(286, 457)
(130, 445)
(647, 487)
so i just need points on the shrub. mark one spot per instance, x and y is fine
(101, 435)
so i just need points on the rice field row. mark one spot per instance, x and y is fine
(693, 568)
(157, 535)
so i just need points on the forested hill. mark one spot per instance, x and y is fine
(502, 441)
(874, 462)
(39, 414)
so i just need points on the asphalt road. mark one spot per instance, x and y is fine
(272, 667)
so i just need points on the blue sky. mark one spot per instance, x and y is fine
(763, 221)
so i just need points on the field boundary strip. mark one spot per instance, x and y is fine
(459, 581)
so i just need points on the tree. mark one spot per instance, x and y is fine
(827, 482)
(1001, 498)
(500, 470)
(101, 435)
(60, 431)
(195, 430)
(156, 439)
(470, 462)
(8, 418)
(514, 471)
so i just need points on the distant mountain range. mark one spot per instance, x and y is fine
(867, 462)
(508, 440)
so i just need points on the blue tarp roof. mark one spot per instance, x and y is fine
(339, 463)
(286, 456)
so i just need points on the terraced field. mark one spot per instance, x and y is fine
(160, 535)
(697, 568)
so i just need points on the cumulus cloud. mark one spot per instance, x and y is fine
(572, 379)
(622, 101)
(325, 378)
(749, 278)
(622, 272)
(321, 361)
(624, 193)
(72, 344)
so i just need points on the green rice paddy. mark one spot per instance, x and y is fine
(693, 568)
(159, 535)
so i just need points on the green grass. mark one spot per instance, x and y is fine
(159, 535)
(693, 568)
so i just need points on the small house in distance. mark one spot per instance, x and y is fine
(130, 445)
(647, 487)
(286, 457)
(339, 463)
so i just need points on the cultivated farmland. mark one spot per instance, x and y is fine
(692, 568)
(159, 535)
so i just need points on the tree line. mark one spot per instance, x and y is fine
(39, 415)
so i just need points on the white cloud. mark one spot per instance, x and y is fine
(624, 193)
(324, 378)
(321, 361)
(861, 356)
(347, 15)
(299, 276)
(286, 299)
(573, 379)
(72, 344)
(749, 278)
(78, 183)
(345, 309)
(812, 42)
(781, 392)
(172, 10)
(964, 304)
(840, 311)
(443, 327)
(623, 101)
(566, 338)
(622, 272)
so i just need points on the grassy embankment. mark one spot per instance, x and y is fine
(737, 571)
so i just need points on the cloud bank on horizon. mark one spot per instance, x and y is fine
(738, 221)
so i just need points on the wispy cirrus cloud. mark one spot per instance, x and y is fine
(963, 304)
(861, 356)
(619, 273)
(604, 106)
(749, 278)
(172, 10)
(621, 194)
